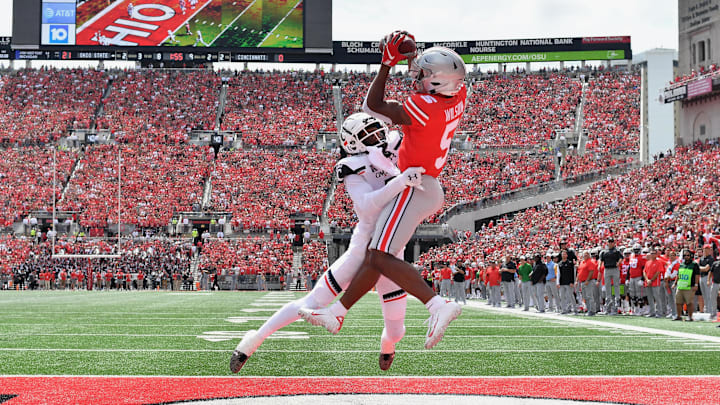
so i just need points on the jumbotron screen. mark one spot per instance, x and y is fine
(182, 23)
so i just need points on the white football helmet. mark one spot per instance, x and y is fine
(360, 130)
(438, 70)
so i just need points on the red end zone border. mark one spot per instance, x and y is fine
(154, 390)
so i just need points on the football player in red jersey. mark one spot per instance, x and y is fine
(428, 119)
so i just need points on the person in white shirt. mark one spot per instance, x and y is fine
(364, 173)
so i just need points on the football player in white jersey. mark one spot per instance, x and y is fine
(370, 164)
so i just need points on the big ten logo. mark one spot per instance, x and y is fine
(59, 34)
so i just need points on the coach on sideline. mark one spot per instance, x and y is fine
(610, 259)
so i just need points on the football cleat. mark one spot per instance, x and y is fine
(438, 322)
(237, 361)
(386, 360)
(322, 317)
(243, 351)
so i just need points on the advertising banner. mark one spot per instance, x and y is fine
(699, 87)
(544, 56)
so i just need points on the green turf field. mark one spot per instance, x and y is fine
(163, 333)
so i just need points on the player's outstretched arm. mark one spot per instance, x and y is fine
(375, 104)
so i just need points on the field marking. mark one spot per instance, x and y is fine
(494, 351)
(182, 24)
(232, 22)
(278, 24)
(643, 329)
(345, 327)
(357, 377)
(326, 336)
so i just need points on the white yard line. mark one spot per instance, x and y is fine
(278, 24)
(327, 336)
(232, 22)
(593, 322)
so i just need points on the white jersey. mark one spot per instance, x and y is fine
(362, 182)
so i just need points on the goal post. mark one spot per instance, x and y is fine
(117, 254)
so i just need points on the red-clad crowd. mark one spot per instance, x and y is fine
(574, 165)
(246, 256)
(39, 106)
(160, 106)
(139, 259)
(314, 257)
(612, 113)
(26, 179)
(520, 110)
(156, 182)
(710, 71)
(671, 203)
(279, 108)
(263, 187)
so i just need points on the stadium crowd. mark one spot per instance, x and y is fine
(669, 205)
(40, 106)
(26, 180)
(263, 187)
(279, 108)
(143, 263)
(160, 106)
(520, 110)
(612, 113)
(155, 183)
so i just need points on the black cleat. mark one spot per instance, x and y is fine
(386, 360)
(237, 361)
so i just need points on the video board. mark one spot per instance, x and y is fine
(277, 24)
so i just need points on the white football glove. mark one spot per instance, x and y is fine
(413, 177)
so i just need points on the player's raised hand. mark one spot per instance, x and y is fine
(413, 177)
(397, 46)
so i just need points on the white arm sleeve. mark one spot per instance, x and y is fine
(368, 200)
(377, 115)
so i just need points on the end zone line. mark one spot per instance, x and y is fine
(356, 377)
(495, 351)
(570, 319)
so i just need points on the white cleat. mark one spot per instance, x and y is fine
(438, 322)
(322, 317)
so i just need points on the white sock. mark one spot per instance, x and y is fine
(435, 304)
(338, 309)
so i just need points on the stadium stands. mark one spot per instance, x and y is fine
(520, 110)
(263, 187)
(612, 113)
(39, 106)
(666, 203)
(279, 108)
(156, 183)
(26, 178)
(161, 106)
(246, 256)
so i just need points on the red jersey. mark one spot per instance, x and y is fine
(637, 264)
(624, 269)
(426, 141)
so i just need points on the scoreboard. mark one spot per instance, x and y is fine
(173, 30)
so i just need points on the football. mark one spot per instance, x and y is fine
(407, 46)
